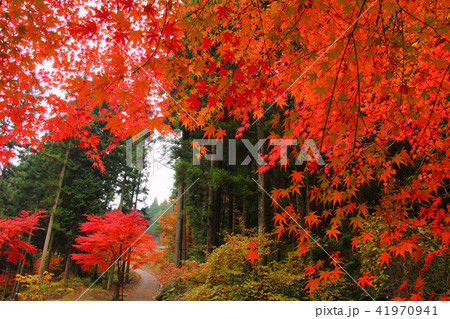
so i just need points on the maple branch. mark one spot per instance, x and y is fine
(157, 44)
(358, 94)
(263, 33)
(434, 106)
(414, 17)
(199, 9)
(332, 93)
(312, 238)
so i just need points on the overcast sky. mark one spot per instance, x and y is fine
(159, 172)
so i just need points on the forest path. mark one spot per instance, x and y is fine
(146, 288)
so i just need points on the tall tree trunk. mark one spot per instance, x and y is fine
(276, 244)
(300, 204)
(121, 194)
(218, 205)
(261, 195)
(184, 239)
(110, 277)
(7, 280)
(16, 285)
(1, 256)
(95, 275)
(307, 206)
(118, 291)
(52, 216)
(179, 225)
(75, 269)
(20, 268)
(133, 190)
(211, 232)
(127, 272)
(244, 216)
(137, 191)
(67, 263)
(230, 212)
(50, 251)
(211, 220)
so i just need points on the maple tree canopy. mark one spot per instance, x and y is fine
(114, 237)
(367, 80)
(12, 231)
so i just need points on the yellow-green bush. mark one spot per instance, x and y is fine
(227, 275)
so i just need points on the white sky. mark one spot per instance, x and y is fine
(160, 185)
(159, 172)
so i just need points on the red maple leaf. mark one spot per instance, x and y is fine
(312, 284)
(365, 279)
(222, 11)
(194, 102)
(252, 255)
(402, 286)
(11, 233)
(252, 244)
(384, 259)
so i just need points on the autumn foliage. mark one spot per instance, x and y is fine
(115, 240)
(13, 230)
(114, 237)
(367, 80)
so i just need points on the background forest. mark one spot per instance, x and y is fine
(364, 82)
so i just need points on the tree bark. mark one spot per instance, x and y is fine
(261, 197)
(127, 272)
(16, 285)
(244, 216)
(179, 225)
(110, 277)
(50, 251)
(95, 275)
(212, 221)
(230, 213)
(52, 216)
(137, 191)
(20, 269)
(184, 238)
(121, 194)
(118, 291)
(8, 268)
(67, 263)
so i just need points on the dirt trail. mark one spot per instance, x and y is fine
(145, 289)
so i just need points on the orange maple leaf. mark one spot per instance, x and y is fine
(297, 177)
(398, 299)
(333, 232)
(209, 131)
(335, 274)
(365, 279)
(367, 237)
(312, 219)
(252, 244)
(384, 258)
(220, 134)
(419, 283)
(325, 275)
(337, 197)
(279, 219)
(402, 286)
(312, 284)
(252, 255)
(417, 296)
(310, 270)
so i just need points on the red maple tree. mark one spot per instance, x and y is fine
(113, 240)
(12, 231)
(368, 80)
